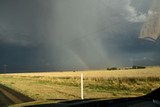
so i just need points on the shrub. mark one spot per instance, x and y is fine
(138, 67)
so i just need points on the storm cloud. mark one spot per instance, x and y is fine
(74, 34)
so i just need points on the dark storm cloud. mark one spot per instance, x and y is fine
(74, 34)
(20, 21)
(20, 39)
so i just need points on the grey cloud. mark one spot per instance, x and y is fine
(19, 22)
(70, 34)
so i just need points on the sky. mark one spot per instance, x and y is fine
(51, 35)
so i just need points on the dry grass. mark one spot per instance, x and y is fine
(148, 72)
(97, 84)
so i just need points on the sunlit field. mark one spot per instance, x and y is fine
(148, 72)
(97, 83)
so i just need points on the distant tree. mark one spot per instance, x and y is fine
(138, 67)
(112, 68)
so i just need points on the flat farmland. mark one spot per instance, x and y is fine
(97, 83)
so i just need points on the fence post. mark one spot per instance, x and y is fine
(82, 86)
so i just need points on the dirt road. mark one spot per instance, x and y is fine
(9, 97)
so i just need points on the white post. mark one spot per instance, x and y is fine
(82, 86)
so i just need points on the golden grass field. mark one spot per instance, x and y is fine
(148, 72)
(97, 83)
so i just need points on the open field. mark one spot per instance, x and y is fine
(97, 84)
(148, 72)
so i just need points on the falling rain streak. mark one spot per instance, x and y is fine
(78, 34)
